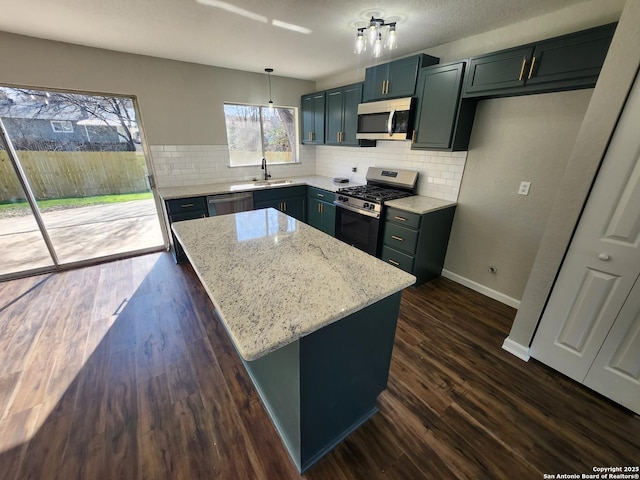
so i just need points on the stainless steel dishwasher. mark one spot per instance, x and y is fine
(229, 203)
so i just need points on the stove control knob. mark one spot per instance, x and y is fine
(343, 199)
(372, 207)
(366, 205)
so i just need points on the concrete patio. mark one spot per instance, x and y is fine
(79, 234)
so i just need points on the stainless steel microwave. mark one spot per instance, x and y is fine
(386, 120)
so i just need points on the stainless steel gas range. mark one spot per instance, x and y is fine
(360, 209)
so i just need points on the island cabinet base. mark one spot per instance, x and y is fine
(322, 387)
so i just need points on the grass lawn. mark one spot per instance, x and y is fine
(22, 208)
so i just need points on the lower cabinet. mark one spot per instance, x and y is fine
(183, 209)
(289, 200)
(321, 212)
(417, 243)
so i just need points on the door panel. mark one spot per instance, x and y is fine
(585, 313)
(616, 369)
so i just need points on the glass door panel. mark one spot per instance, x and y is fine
(83, 159)
(21, 242)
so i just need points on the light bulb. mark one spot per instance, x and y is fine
(361, 45)
(377, 47)
(391, 41)
(372, 31)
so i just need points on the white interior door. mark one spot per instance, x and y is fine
(602, 263)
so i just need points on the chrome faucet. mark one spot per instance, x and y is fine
(264, 167)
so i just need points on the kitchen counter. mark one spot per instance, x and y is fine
(312, 318)
(419, 204)
(274, 279)
(170, 193)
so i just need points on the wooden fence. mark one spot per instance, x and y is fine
(74, 174)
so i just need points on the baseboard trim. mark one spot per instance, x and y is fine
(500, 297)
(517, 349)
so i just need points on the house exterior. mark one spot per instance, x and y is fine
(35, 125)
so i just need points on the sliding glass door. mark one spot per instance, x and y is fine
(74, 185)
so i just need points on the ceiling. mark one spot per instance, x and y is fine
(307, 39)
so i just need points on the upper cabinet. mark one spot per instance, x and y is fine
(313, 106)
(443, 122)
(562, 63)
(341, 116)
(394, 79)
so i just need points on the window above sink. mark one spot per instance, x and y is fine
(256, 131)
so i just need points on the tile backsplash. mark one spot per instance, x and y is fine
(183, 165)
(440, 172)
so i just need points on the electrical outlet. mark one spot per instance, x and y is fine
(354, 169)
(524, 188)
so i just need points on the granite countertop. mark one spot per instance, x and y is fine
(169, 193)
(274, 279)
(419, 204)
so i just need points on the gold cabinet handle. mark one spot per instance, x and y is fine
(382, 91)
(186, 205)
(320, 195)
(395, 237)
(284, 205)
(321, 208)
(402, 219)
(413, 137)
(393, 262)
(533, 62)
(524, 64)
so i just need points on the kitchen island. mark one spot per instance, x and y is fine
(313, 320)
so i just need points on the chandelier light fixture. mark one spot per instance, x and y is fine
(377, 36)
(269, 70)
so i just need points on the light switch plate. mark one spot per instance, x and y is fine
(524, 188)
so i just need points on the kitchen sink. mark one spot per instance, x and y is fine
(268, 183)
(261, 183)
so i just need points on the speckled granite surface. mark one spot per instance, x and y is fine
(419, 204)
(274, 279)
(169, 193)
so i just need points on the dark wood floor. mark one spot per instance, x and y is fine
(123, 371)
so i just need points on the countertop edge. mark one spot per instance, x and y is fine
(316, 181)
(402, 204)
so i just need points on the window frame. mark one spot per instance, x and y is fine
(295, 144)
(61, 129)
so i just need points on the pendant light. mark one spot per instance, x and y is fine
(269, 70)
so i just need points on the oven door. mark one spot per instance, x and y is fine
(357, 229)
